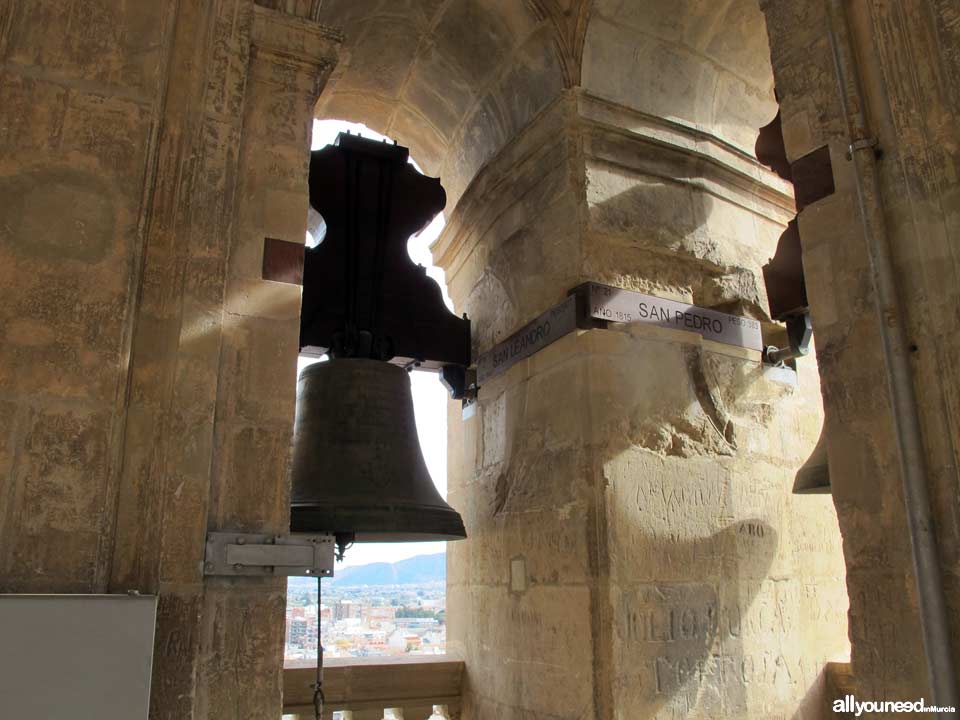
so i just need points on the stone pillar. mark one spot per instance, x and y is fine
(244, 620)
(147, 375)
(911, 81)
(634, 549)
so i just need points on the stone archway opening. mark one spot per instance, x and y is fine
(379, 583)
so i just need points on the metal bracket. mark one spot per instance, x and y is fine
(254, 554)
(460, 382)
(799, 334)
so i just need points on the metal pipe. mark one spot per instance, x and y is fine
(906, 417)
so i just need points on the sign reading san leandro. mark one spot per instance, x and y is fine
(536, 335)
(616, 305)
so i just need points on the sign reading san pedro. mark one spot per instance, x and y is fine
(617, 305)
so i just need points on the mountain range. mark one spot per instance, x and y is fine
(417, 570)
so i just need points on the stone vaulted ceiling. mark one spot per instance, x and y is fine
(456, 79)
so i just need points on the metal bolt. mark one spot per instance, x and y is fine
(237, 566)
(208, 566)
(241, 541)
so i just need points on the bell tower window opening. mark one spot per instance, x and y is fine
(386, 599)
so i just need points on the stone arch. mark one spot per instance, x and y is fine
(454, 81)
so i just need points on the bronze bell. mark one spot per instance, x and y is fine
(358, 470)
(814, 475)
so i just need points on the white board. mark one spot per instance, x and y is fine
(76, 657)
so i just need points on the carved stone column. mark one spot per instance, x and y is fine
(634, 549)
(243, 621)
(214, 352)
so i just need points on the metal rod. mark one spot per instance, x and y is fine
(318, 687)
(906, 418)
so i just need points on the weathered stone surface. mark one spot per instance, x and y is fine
(680, 60)
(94, 41)
(124, 133)
(72, 159)
(57, 517)
(241, 649)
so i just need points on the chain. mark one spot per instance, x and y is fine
(318, 686)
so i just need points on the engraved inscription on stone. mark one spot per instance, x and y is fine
(548, 327)
(670, 613)
(671, 630)
(617, 305)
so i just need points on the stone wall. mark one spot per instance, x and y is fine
(80, 124)
(634, 549)
(910, 73)
(146, 371)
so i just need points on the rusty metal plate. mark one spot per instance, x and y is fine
(282, 261)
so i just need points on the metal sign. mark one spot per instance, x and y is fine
(536, 335)
(617, 305)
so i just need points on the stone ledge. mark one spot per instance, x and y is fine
(682, 135)
(372, 684)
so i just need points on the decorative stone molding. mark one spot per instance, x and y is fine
(295, 42)
(626, 137)
(723, 168)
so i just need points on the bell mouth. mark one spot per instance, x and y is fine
(379, 524)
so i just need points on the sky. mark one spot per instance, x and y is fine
(429, 395)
